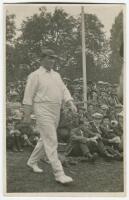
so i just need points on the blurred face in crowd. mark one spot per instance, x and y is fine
(118, 109)
(48, 62)
(86, 123)
(90, 108)
(114, 90)
(106, 121)
(94, 86)
(10, 125)
(104, 111)
(84, 127)
(97, 121)
(109, 89)
(76, 121)
(94, 95)
(103, 94)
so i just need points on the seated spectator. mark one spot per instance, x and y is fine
(115, 111)
(26, 131)
(85, 140)
(118, 109)
(65, 125)
(9, 137)
(109, 135)
(120, 130)
(110, 138)
(105, 129)
(104, 110)
(93, 98)
(13, 137)
(81, 113)
(102, 98)
(78, 143)
(90, 111)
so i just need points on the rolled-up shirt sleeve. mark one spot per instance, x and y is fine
(30, 89)
(67, 95)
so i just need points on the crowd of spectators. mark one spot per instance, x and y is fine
(95, 130)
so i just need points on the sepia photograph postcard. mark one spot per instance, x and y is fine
(64, 127)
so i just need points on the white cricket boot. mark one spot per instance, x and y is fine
(64, 179)
(35, 167)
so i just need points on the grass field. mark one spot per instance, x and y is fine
(99, 177)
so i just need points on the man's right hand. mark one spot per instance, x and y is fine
(27, 113)
(26, 120)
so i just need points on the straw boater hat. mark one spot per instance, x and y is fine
(118, 106)
(97, 116)
(104, 107)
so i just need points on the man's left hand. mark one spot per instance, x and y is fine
(73, 107)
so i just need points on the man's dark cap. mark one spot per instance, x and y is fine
(48, 52)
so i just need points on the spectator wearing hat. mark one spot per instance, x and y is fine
(26, 132)
(45, 92)
(80, 138)
(14, 132)
(81, 113)
(113, 98)
(115, 111)
(93, 98)
(86, 141)
(10, 142)
(14, 135)
(95, 128)
(110, 136)
(90, 111)
(118, 108)
(104, 109)
(102, 99)
(108, 88)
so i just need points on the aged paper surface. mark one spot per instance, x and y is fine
(31, 27)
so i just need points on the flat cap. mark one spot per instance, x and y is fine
(104, 106)
(48, 52)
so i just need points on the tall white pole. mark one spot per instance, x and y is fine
(84, 59)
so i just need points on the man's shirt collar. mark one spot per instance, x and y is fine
(43, 69)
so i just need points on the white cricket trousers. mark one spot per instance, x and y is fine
(47, 116)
